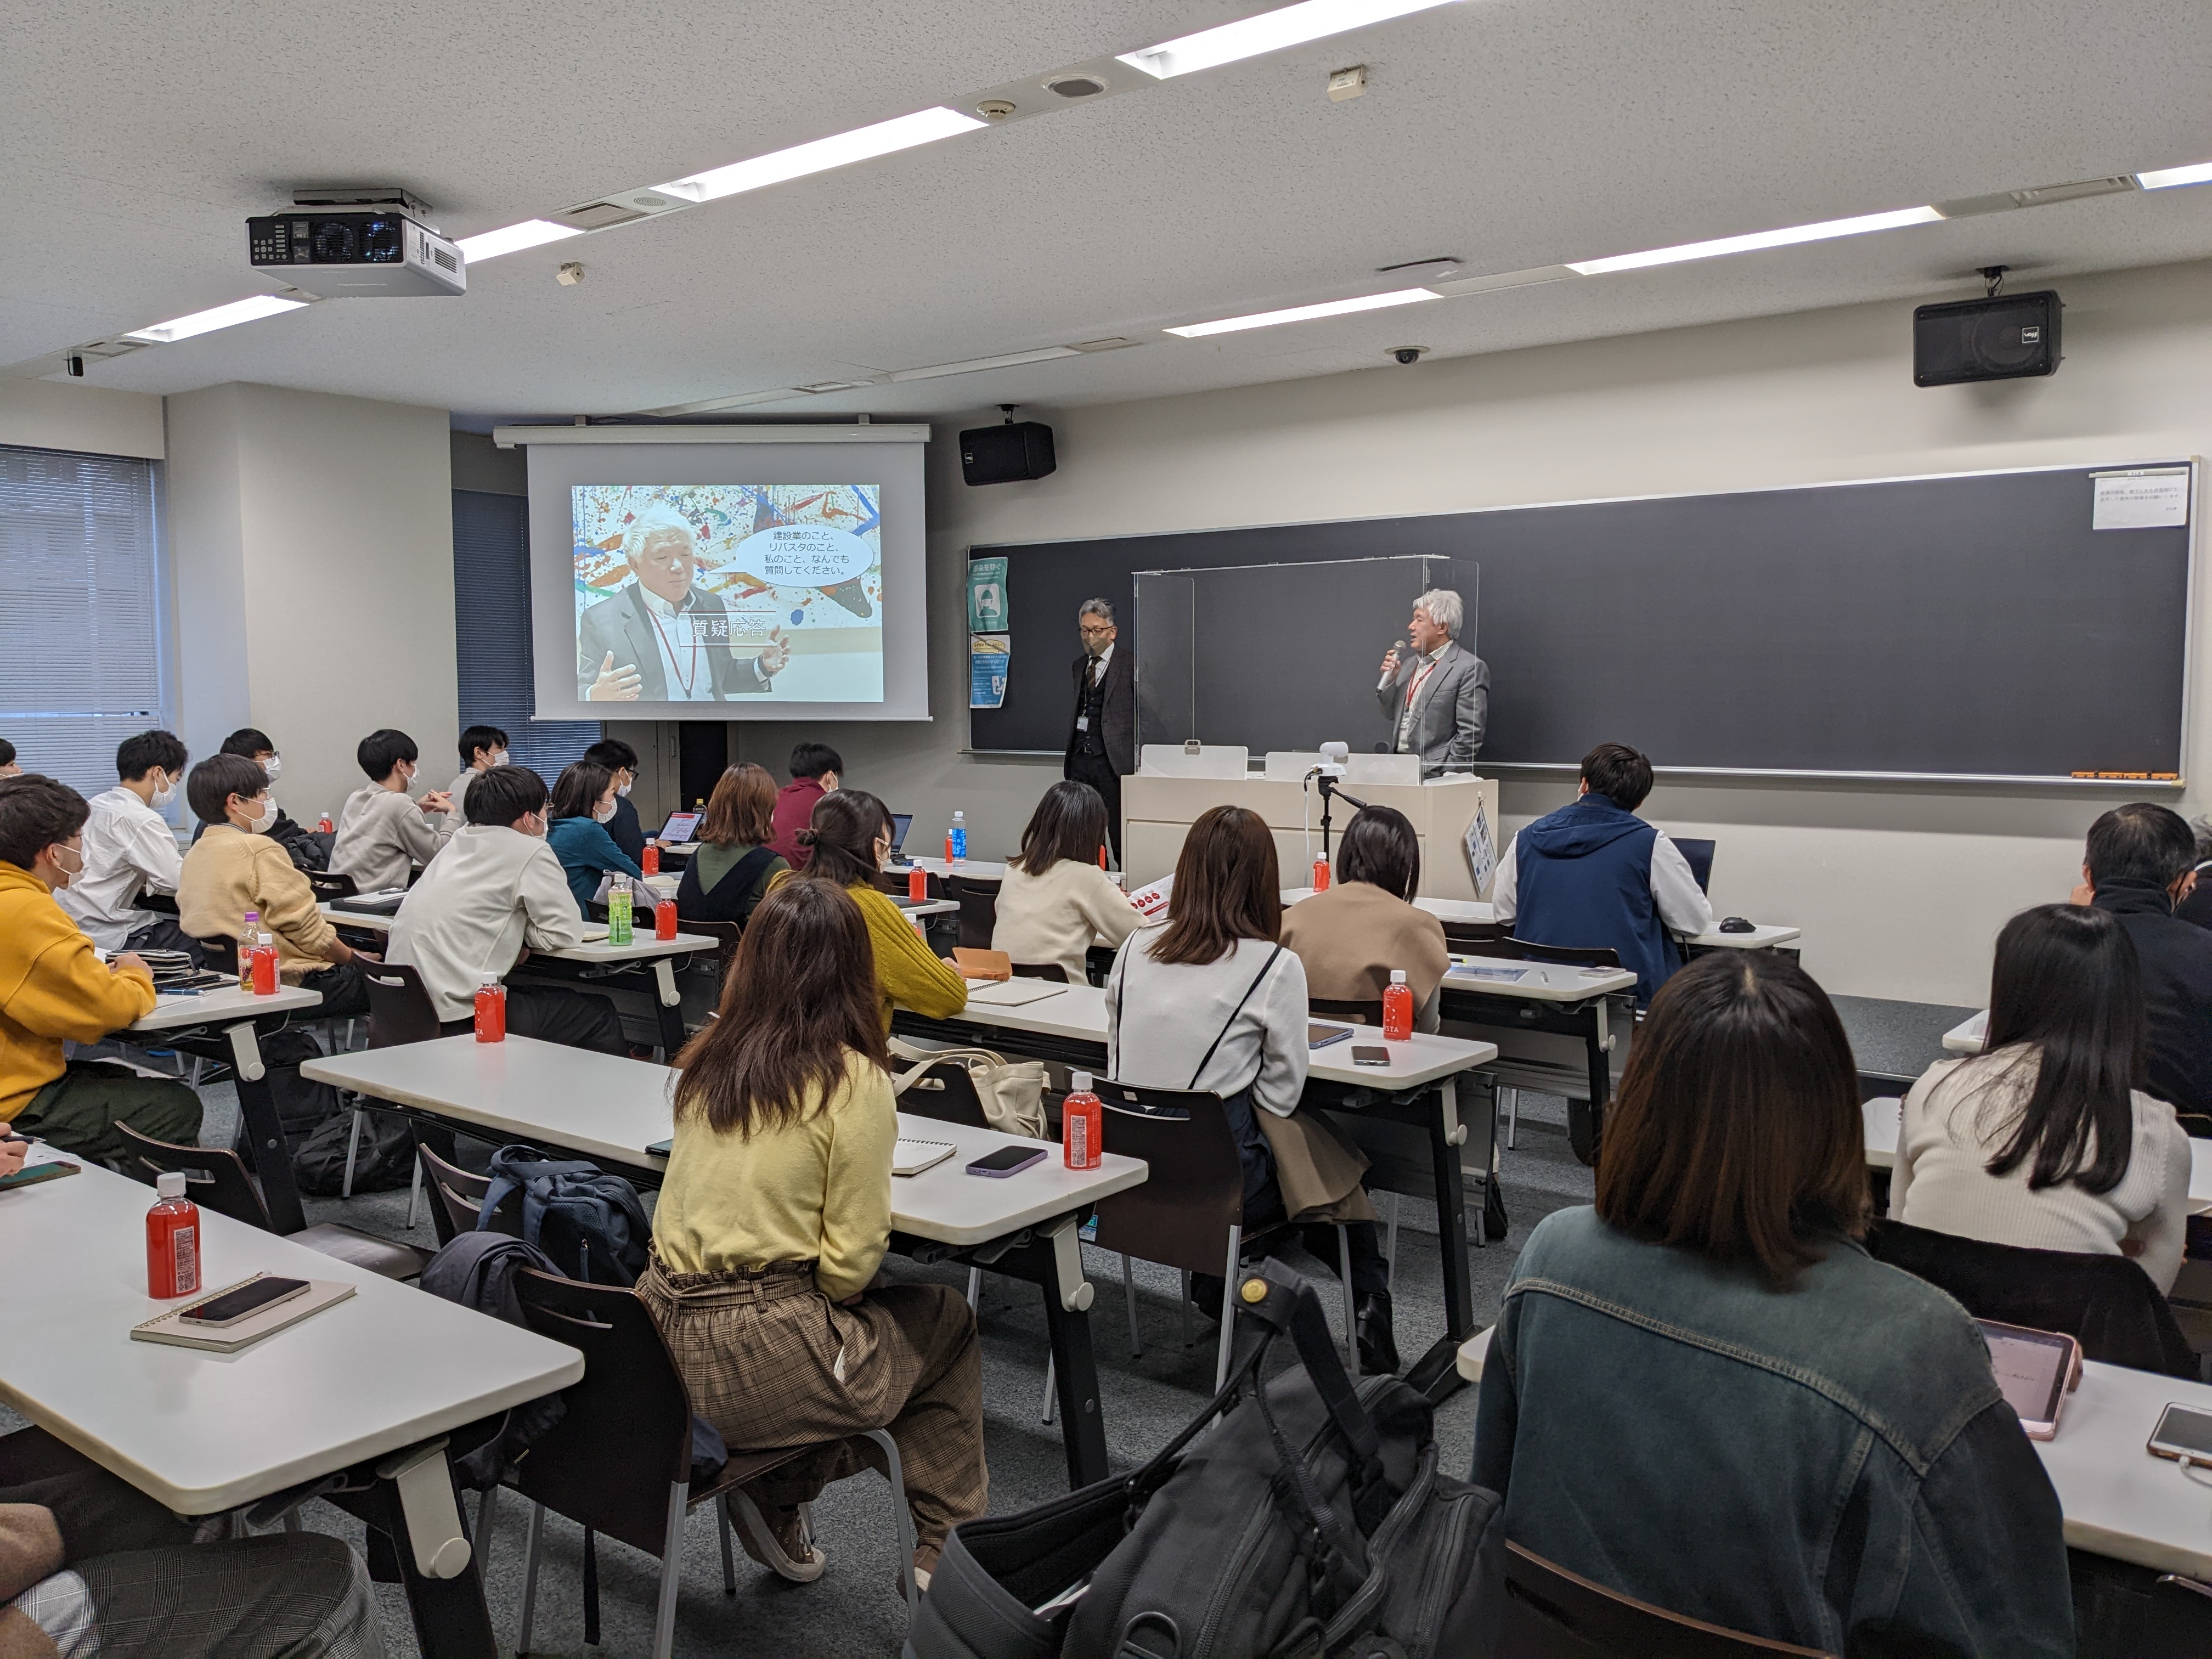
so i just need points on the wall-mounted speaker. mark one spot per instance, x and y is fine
(2005, 339)
(1006, 455)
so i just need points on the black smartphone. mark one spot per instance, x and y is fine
(1369, 1055)
(1006, 1160)
(232, 1306)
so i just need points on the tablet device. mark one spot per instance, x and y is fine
(2034, 1370)
(901, 822)
(680, 828)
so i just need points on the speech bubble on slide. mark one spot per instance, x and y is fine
(804, 555)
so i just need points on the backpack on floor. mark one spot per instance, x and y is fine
(590, 1223)
(383, 1162)
(302, 1106)
(1311, 1522)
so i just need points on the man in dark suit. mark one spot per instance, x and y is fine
(2139, 863)
(1102, 737)
(662, 639)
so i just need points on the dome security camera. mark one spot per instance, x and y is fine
(1408, 354)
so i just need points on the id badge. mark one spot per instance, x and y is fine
(1082, 722)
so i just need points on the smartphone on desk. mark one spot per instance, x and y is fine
(1369, 1053)
(2183, 1432)
(1007, 1161)
(219, 1311)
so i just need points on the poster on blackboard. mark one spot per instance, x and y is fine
(988, 656)
(986, 597)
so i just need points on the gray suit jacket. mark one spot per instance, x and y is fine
(623, 625)
(1450, 712)
(1118, 723)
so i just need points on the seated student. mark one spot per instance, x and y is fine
(383, 831)
(90, 1564)
(849, 839)
(234, 867)
(583, 801)
(619, 758)
(8, 767)
(496, 892)
(310, 849)
(729, 874)
(129, 847)
(2138, 863)
(2041, 1140)
(482, 747)
(772, 1218)
(1704, 1393)
(1351, 937)
(1593, 874)
(1212, 999)
(54, 990)
(2195, 905)
(816, 768)
(1057, 899)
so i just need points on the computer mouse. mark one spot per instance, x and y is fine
(1738, 924)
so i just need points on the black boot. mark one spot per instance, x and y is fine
(1379, 1348)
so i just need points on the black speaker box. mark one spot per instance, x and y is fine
(1004, 454)
(2007, 338)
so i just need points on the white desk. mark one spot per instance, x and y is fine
(1967, 1037)
(982, 869)
(612, 1108)
(1763, 935)
(1882, 1116)
(1539, 982)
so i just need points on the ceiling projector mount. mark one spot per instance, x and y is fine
(356, 241)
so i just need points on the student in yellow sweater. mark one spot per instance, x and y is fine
(54, 990)
(846, 843)
(773, 1218)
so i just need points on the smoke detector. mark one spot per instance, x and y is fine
(1077, 86)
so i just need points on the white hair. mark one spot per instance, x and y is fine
(1443, 608)
(656, 519)
(1097, 608)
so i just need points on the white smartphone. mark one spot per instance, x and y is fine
(2183, 1432)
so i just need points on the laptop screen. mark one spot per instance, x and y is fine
(1699, 855)
(901, 822)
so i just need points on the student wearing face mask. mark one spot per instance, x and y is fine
(129, 847)
(54, 990)
(619, 758)
(383, 832)
(482, 747)
(584, 798)
(234, 867)
(309, 850)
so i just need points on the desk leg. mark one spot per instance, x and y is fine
(1586, 1121)
(1436, 1373)
(257, 1109)
(451, 1618)
(669, 1006)
(1075, 1376)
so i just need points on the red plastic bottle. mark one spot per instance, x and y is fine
(664, 918)
(491, 1011)
(652, 861)
(1321, 874)
(1082, 1124)
(1397, 1008)
(323, 825)
(264, 967)
(917, 885)
(173, 1240)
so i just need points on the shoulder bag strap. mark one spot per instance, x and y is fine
(1231, 1020)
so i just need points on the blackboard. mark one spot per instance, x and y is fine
(1969, 625)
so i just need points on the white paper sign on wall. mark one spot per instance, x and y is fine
(2146, 499)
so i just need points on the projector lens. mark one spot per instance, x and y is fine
(334, 242)
(381, 243)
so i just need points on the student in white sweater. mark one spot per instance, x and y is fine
(383, 831)
(2041, 1140)
(495, 889)
(482, 747)
(1057, 898)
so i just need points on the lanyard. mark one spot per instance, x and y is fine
(683, 679)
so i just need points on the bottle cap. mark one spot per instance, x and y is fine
(1397, 976)
(1080, 1082)
(170, 1183)
(253, 915)
(491, 981)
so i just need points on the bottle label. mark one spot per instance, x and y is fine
(1078, 1140)
(186, 1242)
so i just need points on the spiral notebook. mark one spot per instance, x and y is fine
(911, 1158)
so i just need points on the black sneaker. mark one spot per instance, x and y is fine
(1379, 1348)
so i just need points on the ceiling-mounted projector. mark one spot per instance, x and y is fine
(348, 244)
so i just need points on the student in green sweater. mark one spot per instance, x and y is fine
(729, 873)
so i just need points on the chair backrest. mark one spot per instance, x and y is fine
(626, 1435)
(1522, 950)
(1359, 1014)
(899, 882)
(1553, 1614)
(214, 1177)
(1051, 970)
(943, 1089)
(218, 955)
(978, 900)
(399, 1006)
(1181, 1216)
(331, 884)
(2105, 1303)
(1464, 936)
(457, 1198)
(729, 932)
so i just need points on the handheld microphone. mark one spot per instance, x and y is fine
(1384, 684)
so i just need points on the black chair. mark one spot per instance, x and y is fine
(331, 885)
(1553, 1614)
(1361, 1012)
(456, 1200)
(729, 932)
(399, 1006)
(978, 900)
(942, 1089)
(1466, 936)
(899, 882)
(1048, 970)
(2105, 1303)
(1520, 950)
(216, 1179)
(619, 1462)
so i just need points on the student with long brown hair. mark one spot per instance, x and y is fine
(1705, 1393)
(729, 873)
(1211, 999)
(1057, 896)
(773, 1219)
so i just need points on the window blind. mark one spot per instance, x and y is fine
(81, 637)
(492, 630)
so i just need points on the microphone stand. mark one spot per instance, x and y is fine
(1328, 792)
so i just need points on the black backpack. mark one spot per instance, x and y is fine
(590, 1223)
(1310, 1524)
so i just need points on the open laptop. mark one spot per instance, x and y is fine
(1699, 855)
(901, 822)
(680, 826)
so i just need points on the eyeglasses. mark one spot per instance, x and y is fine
(1095, 633)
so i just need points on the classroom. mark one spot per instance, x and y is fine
(1064, 1118)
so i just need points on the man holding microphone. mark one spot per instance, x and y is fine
(1437, 697)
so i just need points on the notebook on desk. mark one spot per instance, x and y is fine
(911, 1158)
(1010, 992)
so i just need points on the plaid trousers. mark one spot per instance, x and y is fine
(772, 1362)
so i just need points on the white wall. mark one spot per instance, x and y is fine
(313, 539)
(89, 419)
(1899, 891)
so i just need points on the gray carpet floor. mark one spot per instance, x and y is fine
(853, 1609)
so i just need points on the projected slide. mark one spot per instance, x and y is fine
(724, 593)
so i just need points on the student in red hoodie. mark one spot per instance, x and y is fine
(815, 768)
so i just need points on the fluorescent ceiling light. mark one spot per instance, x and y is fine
(513, 239)
(1042, 354)
(1271, 31)
(206, 322)
(1404, 297)
(839, 149)
(1758, 239)
(2167, 178)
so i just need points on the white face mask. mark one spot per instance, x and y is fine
(56, 850)
(499, 757)
(165, 794)
(273, 767)
(621, 789)
(603, 810)
(262, 824)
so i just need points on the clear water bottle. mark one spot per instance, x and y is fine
(249, 936)
(618, 912)
(958, 839)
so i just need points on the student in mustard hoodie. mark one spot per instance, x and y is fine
(54, 990)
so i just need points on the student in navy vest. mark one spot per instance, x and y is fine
(1593, 875)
